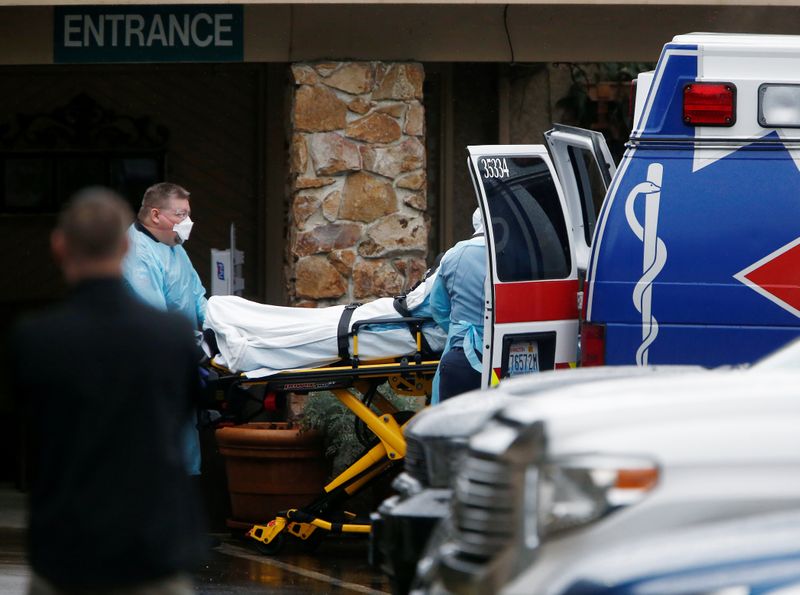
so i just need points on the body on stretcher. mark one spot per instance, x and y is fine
(260, 340)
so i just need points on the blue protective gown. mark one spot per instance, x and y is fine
(457, 300)
(163, 276)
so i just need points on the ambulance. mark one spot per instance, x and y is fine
(696, 252)
(694, 255)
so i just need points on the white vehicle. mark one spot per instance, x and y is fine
(555, 477)
(436, 443)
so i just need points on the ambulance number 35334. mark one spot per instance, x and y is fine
(494, 168)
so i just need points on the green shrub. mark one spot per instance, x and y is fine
(324, 412)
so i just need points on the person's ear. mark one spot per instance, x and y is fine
(154, 215)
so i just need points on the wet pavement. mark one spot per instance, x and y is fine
(339, 565)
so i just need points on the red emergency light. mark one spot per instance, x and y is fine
(709, 104)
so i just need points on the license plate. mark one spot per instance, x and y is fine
(523, 358)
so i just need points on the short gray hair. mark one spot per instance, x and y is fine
(157, 196)
(94, 222)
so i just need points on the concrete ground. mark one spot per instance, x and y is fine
(338, 566)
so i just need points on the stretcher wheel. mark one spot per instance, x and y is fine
(272, 548)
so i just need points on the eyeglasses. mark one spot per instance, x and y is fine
(181, 214)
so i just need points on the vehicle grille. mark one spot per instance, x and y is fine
(484, 512)
(415, 464)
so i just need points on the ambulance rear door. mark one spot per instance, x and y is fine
(585, 168)
(531, 314)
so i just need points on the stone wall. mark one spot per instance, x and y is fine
(357, 226)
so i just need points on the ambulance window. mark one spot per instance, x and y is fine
(530, 233)
(590, 186)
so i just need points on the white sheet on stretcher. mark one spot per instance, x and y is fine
(260, 339)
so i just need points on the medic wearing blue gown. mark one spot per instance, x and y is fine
(159, 271)
(457, 305)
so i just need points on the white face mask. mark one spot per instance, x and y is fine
(183, 229)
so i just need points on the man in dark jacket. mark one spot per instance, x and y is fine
(109, 385)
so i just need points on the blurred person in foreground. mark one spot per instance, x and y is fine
(108, 384)
(159, 271)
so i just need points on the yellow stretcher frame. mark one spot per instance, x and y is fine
(390, 449)
(410, 376)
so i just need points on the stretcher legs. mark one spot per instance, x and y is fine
(309, 522)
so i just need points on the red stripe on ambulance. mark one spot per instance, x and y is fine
(531, 301)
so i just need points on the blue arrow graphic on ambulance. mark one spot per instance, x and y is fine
(654, 253)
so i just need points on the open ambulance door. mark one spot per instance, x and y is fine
(585, 168)
(531, 312)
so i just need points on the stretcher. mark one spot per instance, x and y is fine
(378, 426)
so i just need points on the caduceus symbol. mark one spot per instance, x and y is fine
(655, 253)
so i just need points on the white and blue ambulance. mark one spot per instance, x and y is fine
(696, 255)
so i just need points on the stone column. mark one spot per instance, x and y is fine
(358, 190)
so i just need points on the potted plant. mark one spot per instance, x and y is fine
(270, 466)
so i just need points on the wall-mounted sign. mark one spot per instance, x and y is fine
(86, 34)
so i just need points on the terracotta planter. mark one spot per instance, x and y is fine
(270, 467)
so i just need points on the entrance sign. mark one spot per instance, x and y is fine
(93, 34)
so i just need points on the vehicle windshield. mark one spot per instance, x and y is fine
(786, 358)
